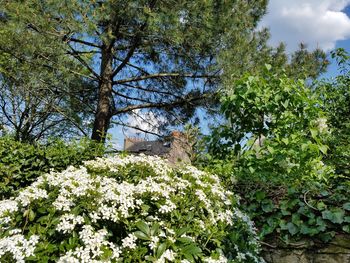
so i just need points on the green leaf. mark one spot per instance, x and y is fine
(185, 240)
(285, 104)
(323, 148)
(160, 250)
(314, 133)
(267, 206)
(326, 237)
(270, 149)
(154, 229)
(143, 227)
(141, 235)
(285, 212)
(321, 224)
(31, 215)
(192, 250)
(292, 228)
(260, 195)
(305, 229)
(285, 140)
(268, 67)
(251, 169)
(336, 216)
(346, 228)
(321, 205)
(181, 231)
(324, 193)
(346, 206)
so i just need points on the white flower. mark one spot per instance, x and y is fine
(29, 194)
(226, 217)
(154, 242)
(18, 246)
(168, 254)
(68, 222)
(168, 207)
(222, 259)
(103, 198)
(8, 206)
(203, 197)
(129, 241)
(322, 125)
(63, 203)
(94, 242)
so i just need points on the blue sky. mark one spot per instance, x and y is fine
(318, 23)
(321, 24)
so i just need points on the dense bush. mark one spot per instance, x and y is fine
(335, 97)
(131, 209)
(22, 163)
(290, 213)
(275, 148)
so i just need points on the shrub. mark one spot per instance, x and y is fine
(275, 150)
(126, 209)
(22, 163)
(290, 213)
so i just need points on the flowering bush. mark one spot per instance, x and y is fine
(125, 209)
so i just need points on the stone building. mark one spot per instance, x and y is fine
(174, 148)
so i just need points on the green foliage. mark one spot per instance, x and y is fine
(335, 97)
(160, 56)
(126, 209)
(316, 211)
(270, 116)
(303, 64)
(22, 163)
(278, 142)
(40, 94)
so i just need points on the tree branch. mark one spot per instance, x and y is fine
(136, 42)
(75, 54)
(132, 65)
(128, 97)
(72, 39)
(185, 100)
(162, 75)
(150, 90)
(135, 127)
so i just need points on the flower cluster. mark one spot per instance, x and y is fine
(134, 208)
(18, 245)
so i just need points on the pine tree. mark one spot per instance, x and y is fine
(164, 57)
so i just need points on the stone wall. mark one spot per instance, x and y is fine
(306, 251)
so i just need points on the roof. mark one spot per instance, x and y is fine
(149, 147)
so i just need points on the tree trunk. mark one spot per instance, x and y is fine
(103, 112)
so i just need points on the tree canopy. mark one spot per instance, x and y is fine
(166, 57)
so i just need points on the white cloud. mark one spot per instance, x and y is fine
(317, 23)
(147, 121)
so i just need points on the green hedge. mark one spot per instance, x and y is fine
(22, 163)
(290, 213)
